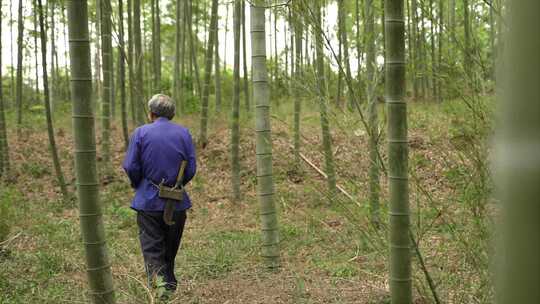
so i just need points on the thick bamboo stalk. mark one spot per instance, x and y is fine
(517, 158)
(92, 229)
(400, 247)
(265, 181)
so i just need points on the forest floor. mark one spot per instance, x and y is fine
(330, 251)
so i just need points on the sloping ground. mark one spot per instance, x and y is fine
(330, 253)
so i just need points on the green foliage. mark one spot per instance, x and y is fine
(191, 103)
(36, 169)
(218, 252)
(123, 216)
(9, 196)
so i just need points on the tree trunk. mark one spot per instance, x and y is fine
(400, 247)
(235, 125)
(112, 106)
(67, 92)
(321, 83)
(226, 35)
(12, 52)
(424, 88)
(131, 63)
(247, 96)
(193, 50)
(156, 45)
(492, 35)
(340, 26)
(205, 23)
(93, 233)
(276, 69)
(203, 140)
(147, 64)
(158, 48)
(298, 28)
(271, 49)
(265, 182)
(50, 128)
(4, 149)
(467, 47)
(415, 49)
(97, 59)
(138, 61)
(517, 158)
(54, 73)
(177, 50)
(217, 71)
(452, 21)
(286, 54)
(20, 23)
(183, 58)
(106, 59)
(358, 49)
(291, 43)
(346, 58)
(34, 5)
(441, 48)
(433, 24)
(122, 72)
(373, 123)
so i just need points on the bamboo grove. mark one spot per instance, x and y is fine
(324, 65)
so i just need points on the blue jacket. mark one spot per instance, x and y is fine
(154, 154)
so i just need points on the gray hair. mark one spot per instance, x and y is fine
(162, 106)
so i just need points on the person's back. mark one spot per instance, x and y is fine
(154, 157)
(161, 147)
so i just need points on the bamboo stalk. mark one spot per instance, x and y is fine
(265, 181)
(400, 246)
(91, 221)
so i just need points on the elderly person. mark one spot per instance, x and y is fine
(154, 155)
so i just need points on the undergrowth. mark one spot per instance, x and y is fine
(330, 251)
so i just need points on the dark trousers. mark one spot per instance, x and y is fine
(159, 244)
